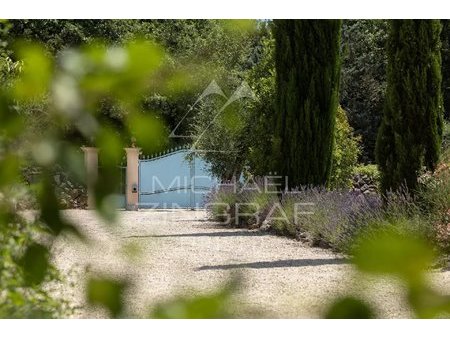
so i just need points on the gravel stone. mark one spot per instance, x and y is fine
(173, 252)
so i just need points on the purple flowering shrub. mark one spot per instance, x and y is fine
(325, 218)
(320, 217)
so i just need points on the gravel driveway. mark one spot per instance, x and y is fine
(165, 253)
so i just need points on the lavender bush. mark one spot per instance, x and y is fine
(325, 218)
(320, 217)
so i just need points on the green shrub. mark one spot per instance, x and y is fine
(345, 152)
(257, 204)
(22, 274)
(446, 139)
(221, 205)
(283, 221)
(401, 222)
(434, 197)
(446, 143)
(369, 170)
(241, 206)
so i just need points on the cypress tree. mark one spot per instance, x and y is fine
(307, 68)
(445, 53)
(410, 134)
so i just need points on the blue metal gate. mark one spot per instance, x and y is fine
(178, 179)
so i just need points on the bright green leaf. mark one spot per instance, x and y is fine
(388, 252)
(34, 81)
(108, 293)
(35, 263)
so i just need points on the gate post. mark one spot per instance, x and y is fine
(91, 165)
(132, 182)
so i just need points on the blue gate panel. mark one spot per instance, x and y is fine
(174, 181)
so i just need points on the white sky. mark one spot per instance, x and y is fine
(238, 9)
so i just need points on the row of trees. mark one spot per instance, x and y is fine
(197, 50)
(308, 68)
(288, 125)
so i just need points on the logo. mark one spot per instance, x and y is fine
(242, 92)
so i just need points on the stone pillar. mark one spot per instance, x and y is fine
(91, 165)
(132, 184)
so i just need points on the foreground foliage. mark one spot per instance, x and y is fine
(24, 267)
(398, 239)
(404, 256)
(71, 89)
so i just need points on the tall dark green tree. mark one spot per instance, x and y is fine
(410, 134)
(307, 65)
(445, 52)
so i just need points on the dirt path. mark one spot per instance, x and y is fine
(167, 253)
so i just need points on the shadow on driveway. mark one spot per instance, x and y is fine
(205, 234)
(286, 263)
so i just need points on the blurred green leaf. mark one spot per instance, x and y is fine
(35, 263)
(9, 169)
(349, 308)
(99, 78)
(143, 61)
(107, 183)
(34, 81)
(214, 305)
(99, 84)
(72, 160)
(149, 131)
(106, 202)
(388, 252)
(108, 140)
(239, 25)
(108, 293)
(122, 72)
(95, 53)
(66, 96)
(427, 303)
(50, 209)
(144, 58)
(10, 121)
(45, 152)
(176, 82)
